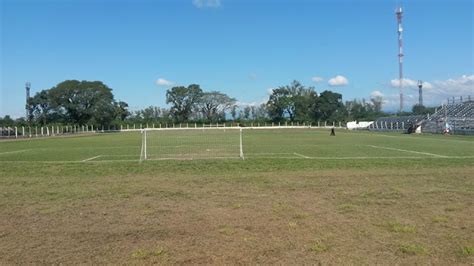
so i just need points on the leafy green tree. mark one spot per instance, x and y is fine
(78, 102)
(6, 121)
(329, 106)
(183, 101)
(214, 104)
(422, 110)
(293, 101)
(247, 110)
(121, 110)
(83, 101)
(42, 108)
(233, 112)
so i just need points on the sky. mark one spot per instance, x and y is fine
(244, 48)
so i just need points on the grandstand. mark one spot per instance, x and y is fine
(459, 116)
(396, 123)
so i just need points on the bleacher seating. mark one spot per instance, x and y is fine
(400, 123)
(459, 116)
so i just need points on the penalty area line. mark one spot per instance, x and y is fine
(92, 158)
(301, 155)
(417, 152)
(10, 152)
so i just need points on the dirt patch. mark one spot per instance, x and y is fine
(337, 217)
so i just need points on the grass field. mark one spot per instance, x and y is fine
(299, 197)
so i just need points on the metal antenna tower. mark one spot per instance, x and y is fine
(399, 13)
(27, 105)
(420, 93)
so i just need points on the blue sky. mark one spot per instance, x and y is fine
(240, 47)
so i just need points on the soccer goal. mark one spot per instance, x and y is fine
(191, 143)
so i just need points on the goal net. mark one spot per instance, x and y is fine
(191, 143)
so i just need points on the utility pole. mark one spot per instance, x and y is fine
(27, 105)
(399, 13)
(420, 93)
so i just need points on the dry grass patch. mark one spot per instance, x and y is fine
(401, 228)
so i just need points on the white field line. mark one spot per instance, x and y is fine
(92, 158)
(10, 152)
(301, 155)
(417, 152)
(250, 157)
(421, 137)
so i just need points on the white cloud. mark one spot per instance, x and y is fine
(453, 87)
(317, 79)
(410, 84)
(434, 93)
(338, 81)
(163, 82)
(207, 3)
(270, 91)
(376, 94)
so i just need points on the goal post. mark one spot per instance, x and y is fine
(143, 153)
(191, 143)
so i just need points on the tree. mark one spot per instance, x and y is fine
(214, 104)
(78, 102)
(293, 101)
(233, 112)
(247, 110)
(151, 114)
(121, 110)
(422, 110)
(183, 101)
(377, 102)
(6, 121)
(81, 102)
(329, 106)
(42, 107)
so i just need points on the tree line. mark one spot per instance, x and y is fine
(93, 103)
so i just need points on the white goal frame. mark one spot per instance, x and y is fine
(144, 154)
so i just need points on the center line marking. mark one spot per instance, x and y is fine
(417, 152)
(90, 159)
(301, 155)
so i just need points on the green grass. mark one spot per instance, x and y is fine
(199, 144)
(413, 249)
(367, 198)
